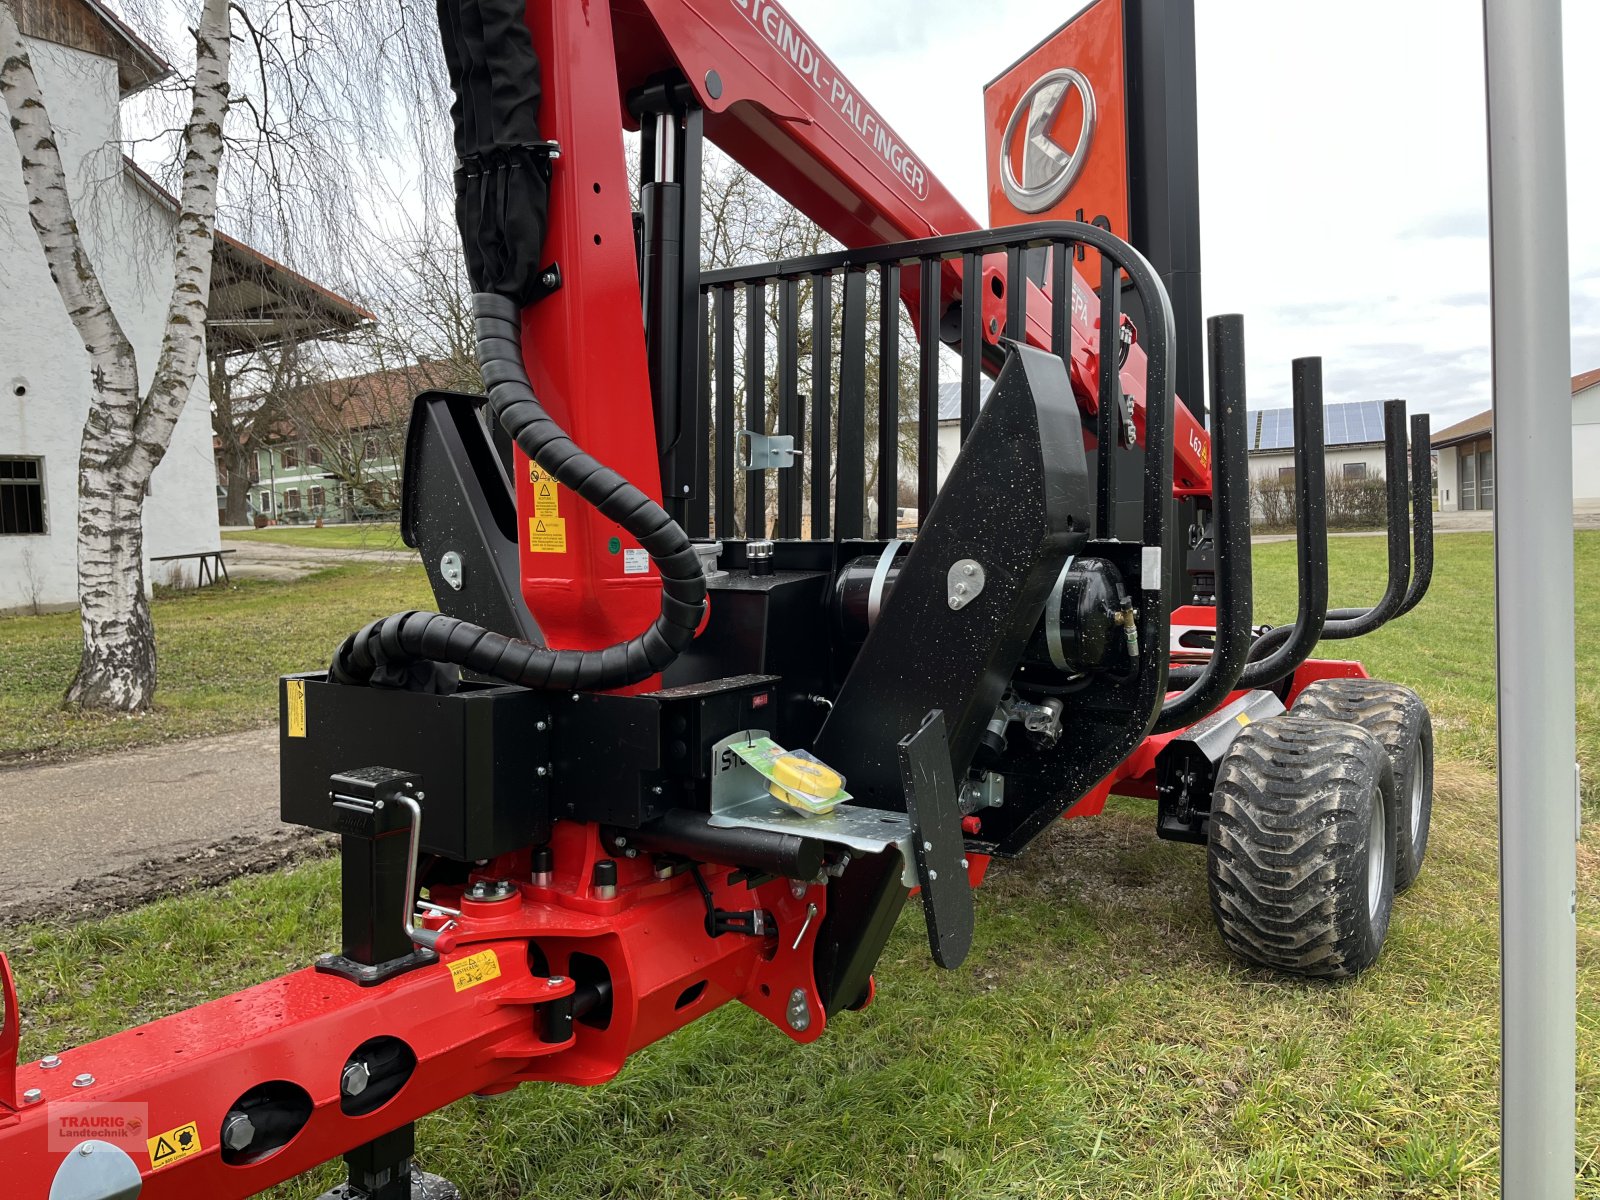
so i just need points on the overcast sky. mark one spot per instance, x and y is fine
(1364, 113)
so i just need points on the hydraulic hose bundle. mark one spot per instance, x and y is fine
(502, 203)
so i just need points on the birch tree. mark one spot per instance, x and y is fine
(129, 427)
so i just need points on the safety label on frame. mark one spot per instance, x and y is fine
(546, 492)
(296, 692)
(547, 535)
(175, 1145)
(474, 969)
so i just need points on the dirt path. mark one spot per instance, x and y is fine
(100, 834)
(270, 560)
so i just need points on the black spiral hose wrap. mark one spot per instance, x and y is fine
(415, 649)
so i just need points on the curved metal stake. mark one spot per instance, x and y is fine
(1230, 485)
(1421, 513)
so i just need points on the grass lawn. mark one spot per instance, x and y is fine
(368, 535)
(220, 649)
(1099, 1042)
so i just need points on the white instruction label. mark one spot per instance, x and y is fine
(635, 561)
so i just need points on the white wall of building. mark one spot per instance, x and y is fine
(1450, 479)
(44, 373)
(1271, 464)
(1586, 444)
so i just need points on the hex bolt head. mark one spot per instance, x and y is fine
(86, 1149)
(50, 1062)
(238, 1132)
(932, 875)
(541, 726)
(83, 1081)
(555, 981)
(355, 1079)
(32, 1096)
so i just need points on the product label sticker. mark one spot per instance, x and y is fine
(635, 561)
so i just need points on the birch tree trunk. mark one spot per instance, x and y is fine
(126, 433)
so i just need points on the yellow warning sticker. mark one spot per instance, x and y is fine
(547, 535)
(297, 707)
(546, 492)
(475, 969)
(175, 1145)
(1243, 718)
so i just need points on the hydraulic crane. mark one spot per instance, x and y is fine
(697, 716)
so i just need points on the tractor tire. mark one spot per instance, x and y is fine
(1398, 718)
(1302, 844)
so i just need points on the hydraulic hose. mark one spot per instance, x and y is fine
(415, 649)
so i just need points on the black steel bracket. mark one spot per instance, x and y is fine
(934, 810)
(375, 855)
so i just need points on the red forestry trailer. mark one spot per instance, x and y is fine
(694, 720)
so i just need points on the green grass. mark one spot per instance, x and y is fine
(220, 652)
(369, 535)
(1098, 1043)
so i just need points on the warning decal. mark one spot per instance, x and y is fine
(474, 969)
(547, 535)
(174, 1146)
(297, 707)
(546, 492)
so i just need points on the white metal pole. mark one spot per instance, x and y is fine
(1534, 631)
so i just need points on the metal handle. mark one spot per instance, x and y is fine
(420, 937)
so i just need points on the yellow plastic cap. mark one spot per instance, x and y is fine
(807, 775)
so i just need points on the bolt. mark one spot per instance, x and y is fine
(422, 795)
(630, 852)
(355, 1079)
(50, 1062)
(237, 1132)
(656, 791)
(549, 279)
(541, 771)
(86, 1149)
(686, 489)
(32, 1096)
(555, 981)
(932, 875)
(798, 888)
(964, 864)
(969, 569)
(83, 1081)
(622, 841)
(541, 726)
(927, 845)
(961, 589)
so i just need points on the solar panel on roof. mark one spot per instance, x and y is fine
(1351, 423)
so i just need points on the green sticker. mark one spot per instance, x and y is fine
(614, 545)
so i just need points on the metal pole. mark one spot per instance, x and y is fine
(1534, 631)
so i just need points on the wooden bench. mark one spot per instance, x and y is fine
(213, 564)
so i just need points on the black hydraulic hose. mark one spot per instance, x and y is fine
(394, 647)
(1231, 490)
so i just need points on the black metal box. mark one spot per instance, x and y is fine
(479, 753)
